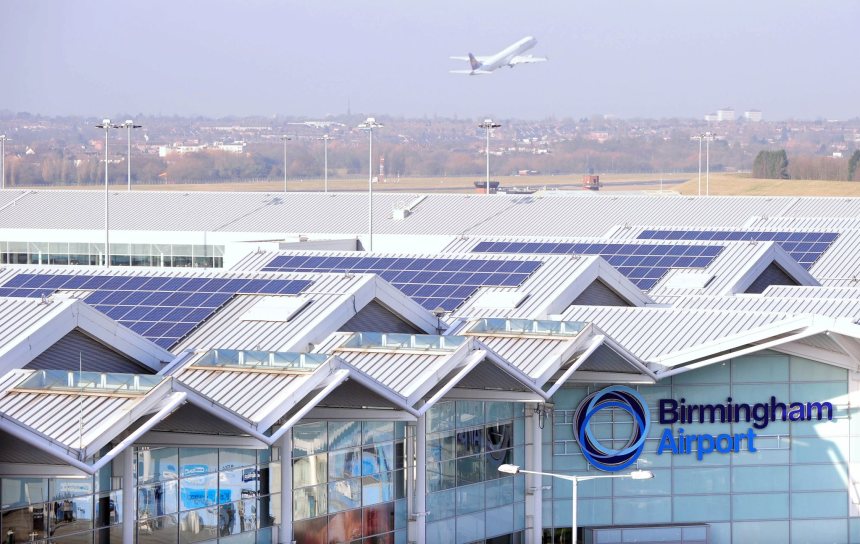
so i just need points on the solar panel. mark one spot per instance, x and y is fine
(642, 264)
(163, 309)
(433, 283)
(804, 247)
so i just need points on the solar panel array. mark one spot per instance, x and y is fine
(160, 308)
(433, 283)
(804, 247)
(642, 264)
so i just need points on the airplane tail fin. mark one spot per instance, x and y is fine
(474, 62)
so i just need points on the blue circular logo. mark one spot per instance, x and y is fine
(623, 398)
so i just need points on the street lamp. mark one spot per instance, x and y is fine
(574, 480)
(369, 125)
(325, 140)
(285, 139)
(3, 140)
(128, 125)
(488, 124)
(700, 137)
(708, 136)
(106, 125)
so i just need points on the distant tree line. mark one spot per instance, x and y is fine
(347, 158)
(775, 165)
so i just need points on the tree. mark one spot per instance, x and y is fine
(771, 165)
(853, 162)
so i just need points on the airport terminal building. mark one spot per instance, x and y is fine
(248, 370)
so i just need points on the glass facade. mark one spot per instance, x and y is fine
(161, 255)
(67, 510)
(349, 482)
(796, 482)
(223, 495)
(468, 499)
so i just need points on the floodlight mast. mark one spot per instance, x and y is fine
(574, 480)
(128, 125)
(488, 124)
(369, 125)
(700, 137)
(325, 140)
(3, 140)
(708, 136)
(285, 139)
(106, 126)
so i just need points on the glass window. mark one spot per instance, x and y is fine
(469, 412)
(500, 520)
(470, 470)
(310, 470)
(378, 488)
(701, 508)
(344, 463)
(441, 417)
(157, 500)
(378, 458)
(820, 530)
(198, 491)
(441, 531)
(819, 505)
(198, 525)
(378, 519)
(441, 476)
(24, 491)
(374, 432)
(760, 531)
(470, 498)
(470, 441)
(440, 447)
(441, 505)
(162, 530)
(499, 410)
(309, 439)
(194, 461)
(470, 527)
(804, 370)
(234, 457)
(760, 506)
(309, 502)
(642, 510)
(818, 477)
(344, 526)
(344, 494)
(344, 434)
(312, 531)
(766, 368)
(702, 480)
(499, 492)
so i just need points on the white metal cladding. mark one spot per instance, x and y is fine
(832, 307)
(527, 354)
(826, 222)
(812, 292)
(402, 373)
(649, 333)
(544, 214)
(246, 393)
(18, 315)
(62, 416)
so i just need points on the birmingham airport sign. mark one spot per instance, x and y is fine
(676, 412)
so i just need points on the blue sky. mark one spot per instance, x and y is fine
(630, 58)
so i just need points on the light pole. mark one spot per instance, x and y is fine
(106, 125)
(574, 480)
(488, 124)
(128, 125)
(325, 140)
(708, 137)
(285, 139)
(700, 137)
(3, 140)
(369, 125)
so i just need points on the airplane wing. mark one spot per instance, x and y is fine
(471, 72)
(526, 59)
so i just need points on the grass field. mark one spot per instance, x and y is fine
(686, 184)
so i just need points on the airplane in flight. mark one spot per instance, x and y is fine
(509, 56)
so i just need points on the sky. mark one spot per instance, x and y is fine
(627, 58)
